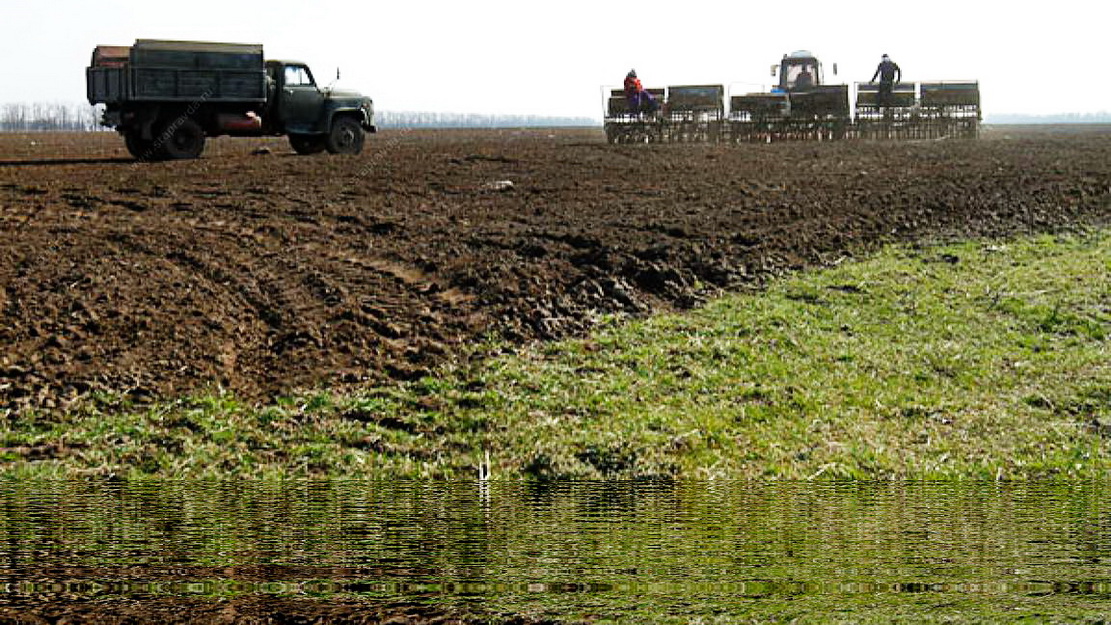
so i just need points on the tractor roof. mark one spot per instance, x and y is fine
(800, 55)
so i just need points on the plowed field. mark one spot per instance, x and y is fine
(268, 273)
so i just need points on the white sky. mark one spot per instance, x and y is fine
(551, 58)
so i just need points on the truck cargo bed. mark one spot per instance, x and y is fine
(177, 71)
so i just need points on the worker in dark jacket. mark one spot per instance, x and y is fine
(889, 73)
(639, 100)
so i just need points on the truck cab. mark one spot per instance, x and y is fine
(316, 118)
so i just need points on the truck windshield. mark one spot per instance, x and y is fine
(298, 76)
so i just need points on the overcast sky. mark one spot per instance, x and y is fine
(551, 58)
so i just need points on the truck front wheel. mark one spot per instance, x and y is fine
(346, 137)
(306, 144)
(183, 139)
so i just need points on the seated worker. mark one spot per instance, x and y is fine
(640, 101)
(805, 79)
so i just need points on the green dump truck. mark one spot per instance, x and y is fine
(166, 97)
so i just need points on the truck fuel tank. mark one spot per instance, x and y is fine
(237, 123)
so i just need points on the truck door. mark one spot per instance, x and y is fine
(301, 102)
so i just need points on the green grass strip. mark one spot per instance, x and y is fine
(980, 360)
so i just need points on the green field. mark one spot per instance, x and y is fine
(977, 360)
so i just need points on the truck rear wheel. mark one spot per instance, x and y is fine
(346, 137)
(306, 144)
(142, 149)
(185, 139)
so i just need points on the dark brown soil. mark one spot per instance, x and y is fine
(265, 274)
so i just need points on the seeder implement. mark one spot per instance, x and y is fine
(801, 107)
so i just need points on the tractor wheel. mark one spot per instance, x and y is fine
(185, 140)
(306, 144)
(142, 149)
(346, 137)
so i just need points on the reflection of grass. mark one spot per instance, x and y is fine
(747, 551)
(975, 360)
(927, 608)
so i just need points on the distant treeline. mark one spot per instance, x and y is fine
(20, 117)
(84, 117)
(17, 117)
(392, 119)
(1060, 118)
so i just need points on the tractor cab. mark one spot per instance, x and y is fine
(799, 71)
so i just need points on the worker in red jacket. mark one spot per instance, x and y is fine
(640, 101)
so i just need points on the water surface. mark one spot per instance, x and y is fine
(688, 551)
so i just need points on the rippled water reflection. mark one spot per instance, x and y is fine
(584, 542)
